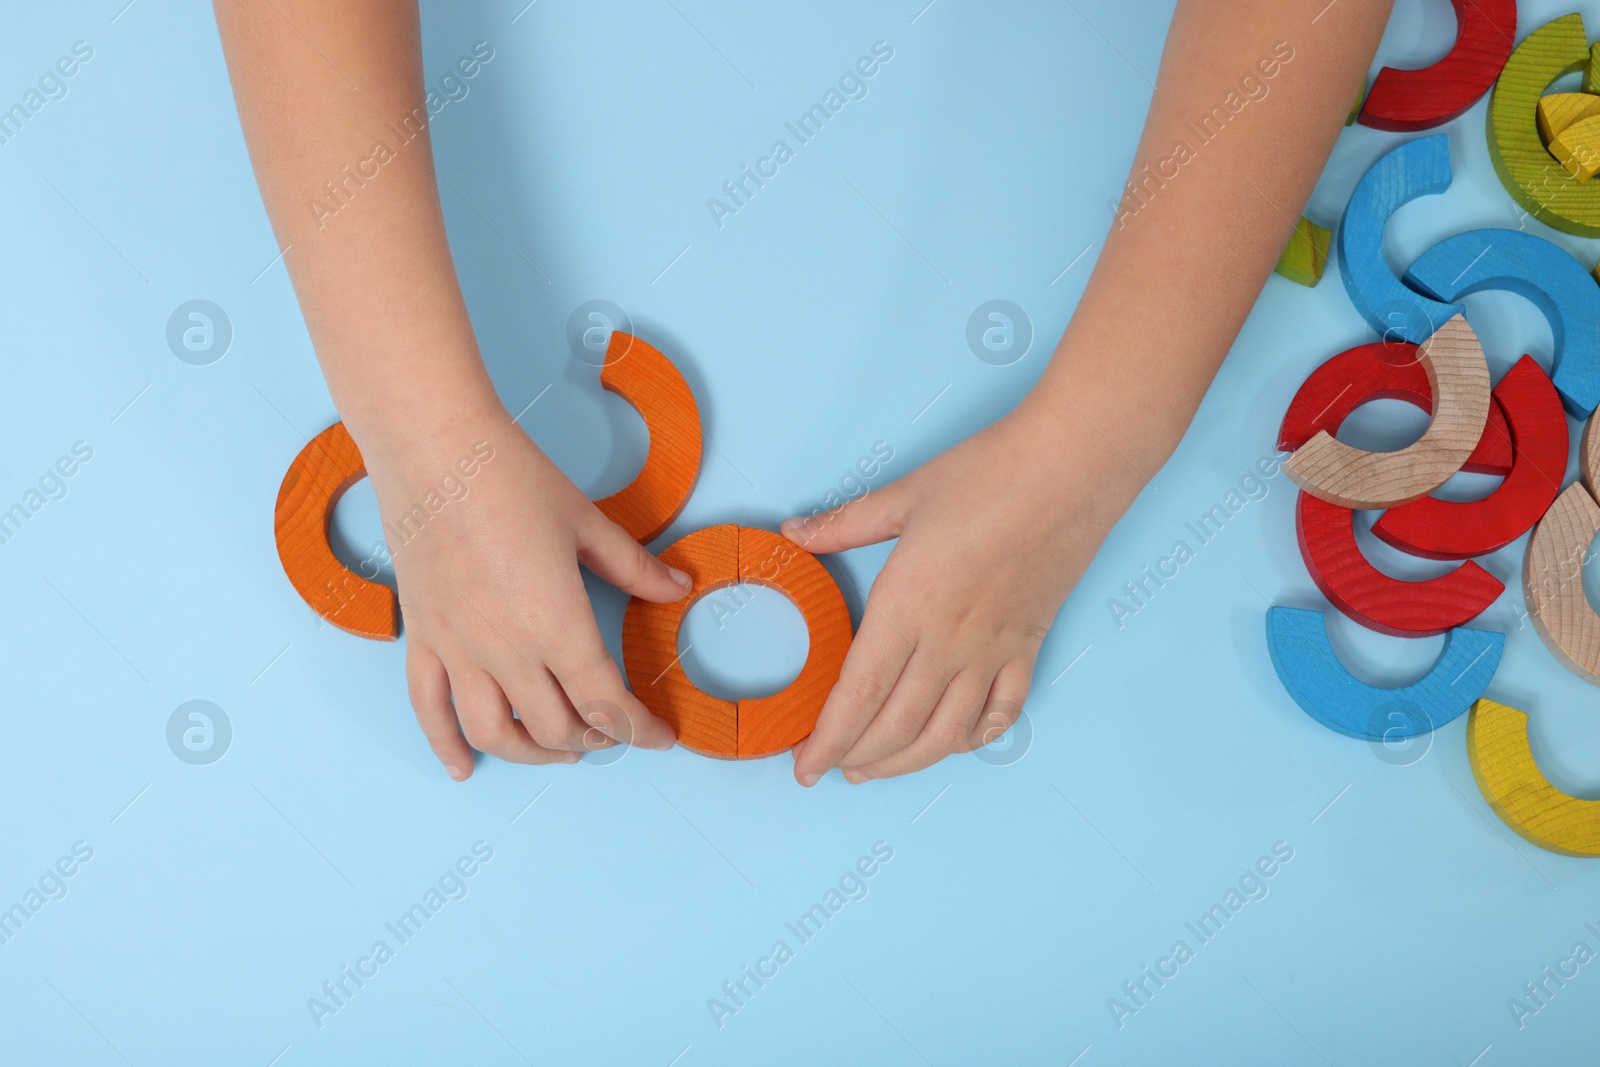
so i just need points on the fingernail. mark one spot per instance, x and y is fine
(664, 745)
(854, 777)
(571, 757)
(809, 779)
(681, 578)
(455, 772)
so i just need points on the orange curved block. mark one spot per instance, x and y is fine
(328, 465)
(645, 378)
(716, 557)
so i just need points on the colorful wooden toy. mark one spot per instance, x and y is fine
(1413, 169)
(1374, 599)
(1503, 764)
(1458, 378)
(1557, 111)
(1310, 671)
(1461, 529)
(1306, 254)
(1540, 272)
(716, 557)
(1380, 371)
(1355, 108)
(1535, 180)
(1403, 100)
(329, 464)
(1552, 582)
(1578, 148)
(642, 376)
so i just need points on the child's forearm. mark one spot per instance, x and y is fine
(1211, 202)
(319, 87)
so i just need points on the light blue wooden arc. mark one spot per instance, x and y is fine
(1398, 314)
(1541, 272)
(1297, 640)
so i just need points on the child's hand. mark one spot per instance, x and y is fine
(993, 535)
(496, 615)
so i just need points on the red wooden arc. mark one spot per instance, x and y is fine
(1404, 100)
(1380, 371)
(1388, 605)
(1453, 529)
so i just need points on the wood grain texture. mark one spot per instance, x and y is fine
(329, 464)
(1461, 529)
(1503, 765)
(1535, 180)
(1578, 148)
(1403, 100)
(1389, 605)
(1589, 457)
(1552, 582)
(716, 557)
(648, 380)
(1541, 273)
(1306, 254)
(1311, 673)
(1415, 168)
(1380, 371)
(1458, 382)
(1557, 111)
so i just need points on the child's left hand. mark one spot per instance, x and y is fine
(993, 535)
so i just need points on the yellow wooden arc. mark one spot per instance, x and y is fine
(1503, 764)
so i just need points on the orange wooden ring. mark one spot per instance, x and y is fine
(331, 463)
(716, 557)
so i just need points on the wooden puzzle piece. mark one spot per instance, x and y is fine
(329, 464)
(1380, 371)
(716, 557)
(642, 376)
(1539, 272)
(1403, 100)
(1458, 382)
(1552, 582)
(1461, 529)
(1578, 148)
(1539, 184)
(1503, 764)
(1310, 671)
(1355, 108)
(1306, 254)
(1589, 458)
(1377, 601)
(1415, 168)
(1557, 111)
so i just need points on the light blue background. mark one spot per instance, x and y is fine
(823, 317)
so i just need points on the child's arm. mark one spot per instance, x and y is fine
(995, 532)
(495, 610)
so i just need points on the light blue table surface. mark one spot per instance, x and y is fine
(1159, 760)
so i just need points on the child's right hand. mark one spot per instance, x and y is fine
(496, 614)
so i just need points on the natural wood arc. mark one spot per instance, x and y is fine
(1552, 582)
(1458, 382)
(328, 465)
(642, 376)
(716, 557)
(1402, 100)
(1589, 457)
(1503, 764)
(1382, 370)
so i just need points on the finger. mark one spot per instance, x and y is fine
(947, 732)
(607, 550)
(592, 683)
(878, 516)
(904, 714)
(547, 714)
(486, 719)
(1005, 702)
(871, 669)
(429, 687)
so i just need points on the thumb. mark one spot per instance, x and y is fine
(608, 551)
(878, 516)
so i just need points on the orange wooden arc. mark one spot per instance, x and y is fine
(330, 463)
(716, 557)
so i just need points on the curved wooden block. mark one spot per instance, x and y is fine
(329, 464)
(720, 556)
(1306, 254)
(1380, 371)
(1414, 169)
(1327, 536)
(1578, 148)
(1557, 111)
(1310, 671)
(1552, 582)
(1530, 174)
(1461, 529)
(1539, 272)
(1589, 457)
(645, 378)
(1402, 100)
(1458, 381)
(1503, 764)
